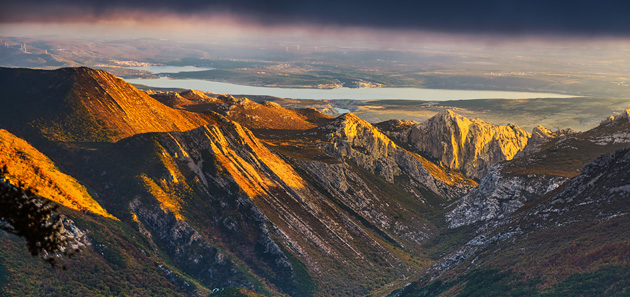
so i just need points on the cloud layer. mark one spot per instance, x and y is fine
(533, 17)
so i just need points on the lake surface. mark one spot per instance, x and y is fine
(340, 93)
(170, 69)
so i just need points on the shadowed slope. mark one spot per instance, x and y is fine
(571, 241)
(34, 170)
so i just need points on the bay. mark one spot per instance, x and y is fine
(339, 93)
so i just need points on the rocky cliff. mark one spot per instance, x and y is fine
(356, 140)
(570, 240)
(498, 195)
(549, 160)
(541, 136)
(472, 146)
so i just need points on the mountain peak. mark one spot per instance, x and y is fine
(85, 105)
(457, 142)
(448, 113)
(623, 117)
(195, 95)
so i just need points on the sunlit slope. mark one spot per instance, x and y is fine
(84, 105)
(276, 200)
(239, 196)
(251, 114)
(25, 165)
(471, 146)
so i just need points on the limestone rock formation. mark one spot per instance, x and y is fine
(358, 141)
(456, 142)
(580, 227)
(548, 160)
(498, 195)
(541, 136)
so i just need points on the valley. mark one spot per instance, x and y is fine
(191, 193)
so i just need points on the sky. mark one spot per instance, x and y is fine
(548, 18)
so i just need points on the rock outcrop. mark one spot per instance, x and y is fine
(548, 160)
(471, 146)
(278, 216)
(358, 141)
(498, 195)
(554, 229)
(541, 136)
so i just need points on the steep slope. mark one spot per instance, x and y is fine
(26, 165)
(83, 104)
(114, 261)
(358, 141)
(111, 259)
(471, 146)
(573, 239)
(305, 226)
(301, 204)
(510, 185)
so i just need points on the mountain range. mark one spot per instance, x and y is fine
(195, 194)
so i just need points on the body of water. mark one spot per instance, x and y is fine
(340, 93)
(170, 69)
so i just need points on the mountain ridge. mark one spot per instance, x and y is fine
(456, 142)
(85, 105)
(311, 205)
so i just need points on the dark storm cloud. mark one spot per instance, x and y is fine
(576, 17)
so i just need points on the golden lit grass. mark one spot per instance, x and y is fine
(251, 179)
(167, 202)
(28, 166)
(95, 106)
(268, 115)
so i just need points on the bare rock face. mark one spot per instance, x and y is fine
(540, 136)
(498, 195)
(264, 209)
(471, 146)
(542, 168)
(358, 141)
(623, 117)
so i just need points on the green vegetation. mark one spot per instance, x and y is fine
(447, 240)
(606, 281)
(477, 283)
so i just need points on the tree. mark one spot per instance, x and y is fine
(27, 215)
